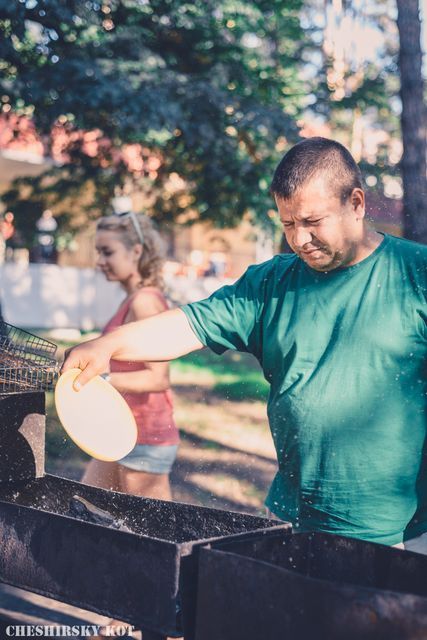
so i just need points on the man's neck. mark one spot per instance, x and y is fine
(370, 241)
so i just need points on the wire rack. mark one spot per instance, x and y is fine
(27, 362)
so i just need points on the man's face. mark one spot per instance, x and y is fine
(325, 233)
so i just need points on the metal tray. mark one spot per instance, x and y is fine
(146, 576)
(310, 586)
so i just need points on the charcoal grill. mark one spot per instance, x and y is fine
(161, 562)
(27, 362)
(144, 571)
(145, 576)
(310, 586)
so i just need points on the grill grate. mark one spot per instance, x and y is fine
(27, 362)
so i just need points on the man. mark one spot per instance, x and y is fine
(340, 330)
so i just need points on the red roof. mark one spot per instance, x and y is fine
(19, 133)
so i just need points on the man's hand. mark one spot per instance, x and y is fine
(92, 357)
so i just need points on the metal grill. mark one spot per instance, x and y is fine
(27, 362)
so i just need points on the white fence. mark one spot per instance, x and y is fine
(51, 297)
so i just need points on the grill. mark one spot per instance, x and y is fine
(122, 556)
(143, 572)
(27, 362)
(176, 569)
(310, 586)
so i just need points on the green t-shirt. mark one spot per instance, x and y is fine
(345, 353)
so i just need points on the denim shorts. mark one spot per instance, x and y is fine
(151, 458)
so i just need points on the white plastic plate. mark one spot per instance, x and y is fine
(97, 418)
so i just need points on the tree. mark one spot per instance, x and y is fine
(413, 119)
(209, 88)
(357, 79)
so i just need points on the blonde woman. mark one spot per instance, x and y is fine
(130, 251)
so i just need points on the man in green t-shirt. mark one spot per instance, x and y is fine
(339, 328)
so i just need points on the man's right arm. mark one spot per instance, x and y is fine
(163, 337)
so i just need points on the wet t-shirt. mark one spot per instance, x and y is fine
(345, 355)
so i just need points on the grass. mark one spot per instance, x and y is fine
(234, 376)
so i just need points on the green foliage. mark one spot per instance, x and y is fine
(209, 86)
(348, 88)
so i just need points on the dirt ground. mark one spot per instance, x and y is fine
(226, 459)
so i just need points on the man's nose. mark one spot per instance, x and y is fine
(302, 236)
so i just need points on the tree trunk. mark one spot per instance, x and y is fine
(413, 121)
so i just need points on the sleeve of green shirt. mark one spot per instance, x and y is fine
(229, 318)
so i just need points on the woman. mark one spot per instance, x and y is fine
(130, 251)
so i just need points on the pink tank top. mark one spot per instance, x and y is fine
(153, 411)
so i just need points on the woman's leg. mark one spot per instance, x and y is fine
(102, 474)
(141, 483)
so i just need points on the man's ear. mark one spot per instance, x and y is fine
(357, 199)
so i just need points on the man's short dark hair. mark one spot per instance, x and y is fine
(317, 156)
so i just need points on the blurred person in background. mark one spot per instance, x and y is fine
(44, 250)
(7, 230)
(131, 252)
(8, 227)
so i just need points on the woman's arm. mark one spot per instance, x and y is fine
(155, 377)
